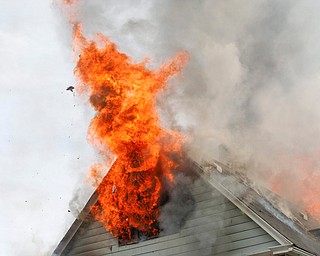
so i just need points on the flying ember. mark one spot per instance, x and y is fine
(123, 94)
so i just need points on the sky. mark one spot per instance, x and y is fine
(252, 83)
(44, 154)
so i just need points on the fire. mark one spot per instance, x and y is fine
(123, 94)
(69, 2)
(300, 183)
(310, 185)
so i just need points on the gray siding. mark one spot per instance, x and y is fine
(215, 227)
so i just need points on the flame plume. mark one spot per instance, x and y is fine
(123, 95)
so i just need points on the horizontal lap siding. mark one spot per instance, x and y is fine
(92, 240)
(215, 227)
(95, 224)
(206, 251)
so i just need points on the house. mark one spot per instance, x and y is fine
(228, 218)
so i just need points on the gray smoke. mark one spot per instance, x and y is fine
(251, 84)
(179, 206)
(252, 81)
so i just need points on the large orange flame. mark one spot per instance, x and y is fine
(123, 94)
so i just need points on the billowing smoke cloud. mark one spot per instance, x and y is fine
(251, 86)
(252, 83)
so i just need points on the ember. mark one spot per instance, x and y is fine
(123, 94)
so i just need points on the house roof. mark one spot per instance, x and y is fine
(291, 234)
(263, 207)
(76, 224)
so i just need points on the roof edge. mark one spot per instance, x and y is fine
(244, 208)
(75, 225)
